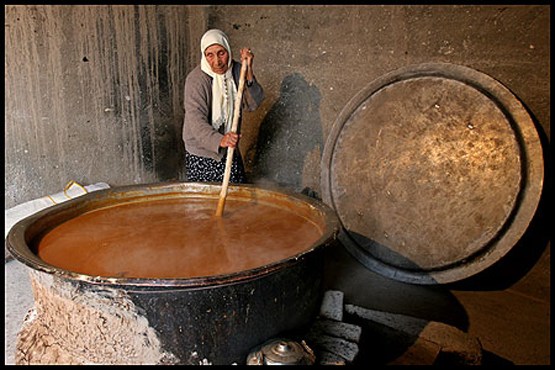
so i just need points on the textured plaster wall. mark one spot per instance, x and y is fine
(94, 93)
(314, 59)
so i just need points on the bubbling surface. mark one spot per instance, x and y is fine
(177, 238)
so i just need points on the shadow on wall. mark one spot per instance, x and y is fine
(162, 150)
(163, 153)
(288, 133)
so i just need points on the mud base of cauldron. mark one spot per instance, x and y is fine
(74, 322)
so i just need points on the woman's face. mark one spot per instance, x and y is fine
(217, 57)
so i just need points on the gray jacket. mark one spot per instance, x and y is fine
(199, 136)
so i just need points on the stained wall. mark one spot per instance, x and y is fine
(94, 92)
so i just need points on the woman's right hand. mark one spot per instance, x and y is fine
(229, 140)
(248, 55)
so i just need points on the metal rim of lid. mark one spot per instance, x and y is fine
(530, 192)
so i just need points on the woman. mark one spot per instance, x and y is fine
(210, 91)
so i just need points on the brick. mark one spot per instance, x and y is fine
(340, 347)
(338, 329)
(328, 358)
(332, 305)
(458, 346)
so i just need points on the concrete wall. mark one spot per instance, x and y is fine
(314, 59)
(94, 93)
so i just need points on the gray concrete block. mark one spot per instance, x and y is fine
(338, 329)
(328, 358)
(341, 347)
(332, 305)
(408, 324)
(458, 345)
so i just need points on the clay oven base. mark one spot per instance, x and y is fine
(116, 333)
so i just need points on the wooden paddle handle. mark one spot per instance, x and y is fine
(230, 151)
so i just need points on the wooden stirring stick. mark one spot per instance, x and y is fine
(229, 159)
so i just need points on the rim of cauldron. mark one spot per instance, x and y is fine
(17, 241)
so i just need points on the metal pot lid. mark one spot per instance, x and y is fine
(435, 171)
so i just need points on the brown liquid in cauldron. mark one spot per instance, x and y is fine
(177, 238)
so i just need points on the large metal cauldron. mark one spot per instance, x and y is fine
(84, 319)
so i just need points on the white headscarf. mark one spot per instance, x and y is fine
(223, 86)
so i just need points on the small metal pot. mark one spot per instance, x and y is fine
(282, 351)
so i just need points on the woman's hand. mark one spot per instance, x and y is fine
(230, 140)
(248, 56)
